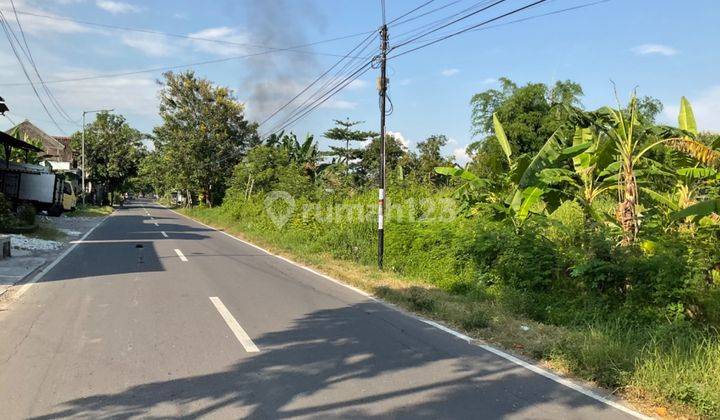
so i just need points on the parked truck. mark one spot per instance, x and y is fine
(37, 185)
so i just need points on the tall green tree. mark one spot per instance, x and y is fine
(429, 157)
(368, 168)
(204, 134)
(346, 133)
(113, 150)
(530, 114)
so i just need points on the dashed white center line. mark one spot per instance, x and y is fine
(163, 233)
(180, 254)
(235, 327)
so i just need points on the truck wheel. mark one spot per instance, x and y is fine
(55, 211)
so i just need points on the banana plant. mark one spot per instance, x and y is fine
(522, 190)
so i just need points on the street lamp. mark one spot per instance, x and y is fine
(83, 147)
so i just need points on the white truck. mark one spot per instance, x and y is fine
(37, 185)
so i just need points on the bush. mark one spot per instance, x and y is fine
(6, 217)
(26, 214)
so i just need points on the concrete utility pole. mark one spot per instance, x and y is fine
(83, 148)
(382, 87)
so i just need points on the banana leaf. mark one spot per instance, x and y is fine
(701, 209)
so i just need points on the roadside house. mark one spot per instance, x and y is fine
(55, 149)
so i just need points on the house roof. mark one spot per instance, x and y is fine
(31, 130)
(54, 148)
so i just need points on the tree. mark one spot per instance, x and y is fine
(18, 155)
(113, 150)
(344, 132)
(530, 114)
(368, 169)
(204, 134)
(430, 157)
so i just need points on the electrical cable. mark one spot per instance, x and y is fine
(28, 54)
(466, 29)
(8, 31)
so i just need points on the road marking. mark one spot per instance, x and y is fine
(156, 224)
(235, 327)
(180, 254)
(25, 287)
(534, 368)
(163, 233)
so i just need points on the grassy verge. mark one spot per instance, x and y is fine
(675, 373)
(47, 232)
(90, 211)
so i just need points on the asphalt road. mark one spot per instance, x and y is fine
(154, 315)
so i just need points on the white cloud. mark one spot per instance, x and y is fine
(489, 81)
(357, 84)
(399, 137)
(150, 44)
(449, 72)
(452, 141)
(116, 7)
(40, 25)
(339, 104)
(228, 37)
(461, 156)
(648, 49)
(706, 107)
(132, 95)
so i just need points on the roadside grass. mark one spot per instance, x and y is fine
(677, 376)
(47, 232)
(90, 211)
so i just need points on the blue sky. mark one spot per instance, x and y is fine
(665, 48)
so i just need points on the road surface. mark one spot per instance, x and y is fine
(155, 315)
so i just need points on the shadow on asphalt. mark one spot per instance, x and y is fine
(124, 244)
(326, 365)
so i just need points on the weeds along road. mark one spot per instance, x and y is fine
(155, 315)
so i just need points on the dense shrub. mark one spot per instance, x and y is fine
(6, 217)
(26, 214)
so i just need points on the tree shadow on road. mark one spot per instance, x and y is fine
(364, 360)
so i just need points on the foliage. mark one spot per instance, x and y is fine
(530, 113)
(17, 155)
(7, 219)
(345, 133)
(203, 135)
(26, 214)
(598, 228)
(113, 150)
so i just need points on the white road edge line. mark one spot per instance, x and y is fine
(498, 352)
(25, 287)
(180, 254)
(163, 233)
(235, 327)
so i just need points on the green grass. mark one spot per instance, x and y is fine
(666, 366)
(47, 232)
(90, 211)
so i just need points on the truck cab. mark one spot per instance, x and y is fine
(69, 196)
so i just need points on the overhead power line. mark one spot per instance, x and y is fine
(313, 82)
(199, 38)
(435, 41)
(348, 68)
(9, 34)
(537, 16)
(28, 54)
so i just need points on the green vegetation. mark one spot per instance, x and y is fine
(587, 239)
(113, 150)
(90, 211)
(47, 232)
